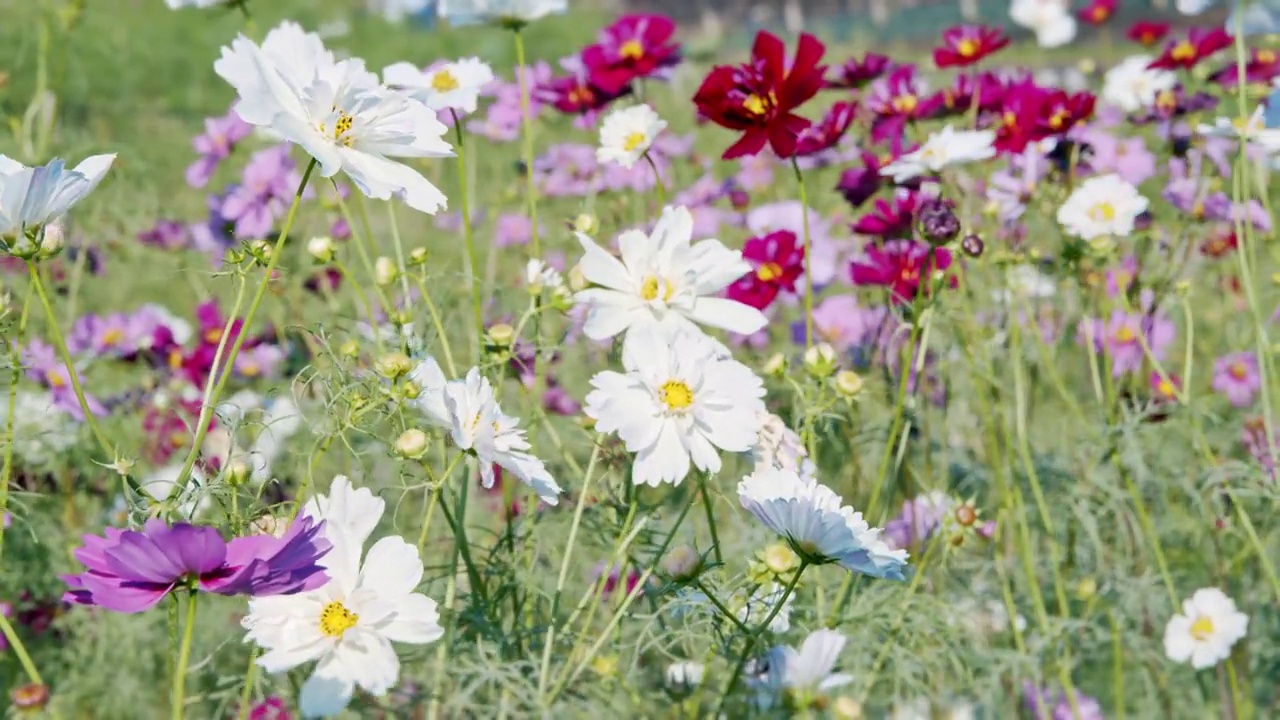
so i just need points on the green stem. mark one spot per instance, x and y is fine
(15, 375)
(657, 179)
(458, 525)
(730, 616)
(184, 657)
(206, 410)
(808, 256)
(526, 128)
(468, 235)
(711, 517)
(250, 676)
(20, 650)
(438, 323)
(755, 636)
(435, 491)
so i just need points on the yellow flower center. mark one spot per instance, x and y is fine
(250, 369)
(444, 81)
(769, 272)
(175, 359)
(676, 394)
(905, 103)
(56, 379)
(968, 47)
(653, 287)
(1103, 212)
(336, 619)
(1183, 51)
(633, 141)
(112, 337)
(1166, 388)
(1125, 334)
(631, 50)
(755, 104)
(1238, 370)
(213, 335)
(1266, 57)
(1202, 628)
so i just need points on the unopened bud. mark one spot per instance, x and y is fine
(938, 221)
(577, 280)
(775, 366)
(412, 444)
(411, 390)
(393, 365)
(418, 256)
(1087, 588)
(500, 335)
(321, 248)
(682, 563)
(238, 471)
(586, 223)
(972, 246)
(52, 240)
(780, 559)
(349, 348)
(848, 383)
(820, 360)
(384, 271)
(846, 708)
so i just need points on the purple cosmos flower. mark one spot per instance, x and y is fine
(220, 137)
(166, 235)
(1189, 189)
(755, 172)
(130, 571)
(264, 193)
(1236, 376)
(841, 322)
(116, 334)
(512, 229)
(919, 520)
(1011, 189)
(259, 361)
(1127, 157)
(502, 121)
(567, 170)
(1046, 705)
(1118, 338)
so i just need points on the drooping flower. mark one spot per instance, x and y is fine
(1102, 206)
(447, 86)
(634, 47)
(1206, 629)
(965, 45)
(1187, 52)
(626, 135)
(338, 112)
(811, 518)
(942, 149)
(777, 261)
(854, 74)
(759, 98)
(1147, 33)
(680, 401)
(221, 134)
(1236, 376)
(904, 267)
(663, 281)
(131, 571)
(347, 625)
(33, 197)
(1133, 85)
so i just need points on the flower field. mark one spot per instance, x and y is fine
(514, 358)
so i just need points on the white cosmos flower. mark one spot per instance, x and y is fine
(1102, 206)
(685, 675)
(477, 424)
(337, 112)
(1206, 630)
(463, 11)
(347, 626)
(1132, 86)
(280, 421)
(680, 401)
(809, 670)
(1193, 7)
(431, 382)
(663, 282)
(31, 197)
(1253, 130)
(944, 148)
(778, 446)
(451, 86)
(810, 516)
(41, 432)
(539, 275)
(627, 133)
(1050, 20)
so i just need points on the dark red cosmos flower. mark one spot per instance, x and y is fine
(855, 74)
(1147, 33)
(889, 219)
(777, 261)
(758, 98)
(1187, 52)
(1060, 111)
(824, 134)
(1098, 11)
(1032, 113)
(957, 99)
(574, 94)
(636, 46)
(1220, 244)
(896, 99)
(964, 45)
(1262, 67)
(901, 266)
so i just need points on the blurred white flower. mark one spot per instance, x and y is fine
(397, 10)
(627, 133)
(1102, 206)
(479, 425)
(760, 603)
(1025, 282)
(41, 432)
(942, 149)
(337, 112)
(680, 401)
(459, 12)
(451, 86)
(1206, 630)
(538, 276)
(663, 282)
(683, 675)
(1193, 7)
(31, 197)
(1050, 20)
(431, 382)
(811, 518)
(778, 446)
(280, 421)
(809, 670)
(347, 625)
(1132, 86)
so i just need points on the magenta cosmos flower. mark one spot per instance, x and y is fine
(902, 266)
(777, 261)
(633, 48)
(964, 45)
(855, 73)
(130, 571)
(1236, 376)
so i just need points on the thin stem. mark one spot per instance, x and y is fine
(755, 636)
(434, 312)
(206, 410)
(435, 491)
(250, 676)
(526, 129)
(658, 185)
(730, 616)
(399, 248)
(468, 235)
(184, 657)
(808, 256)
(10, 418)
(711, 517)
(459, 527)
(20, 650)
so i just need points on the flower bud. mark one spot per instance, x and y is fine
(418, 256)
(238, 472)
(846, 708)
(393, 365)
(269, 525)
(682, 563)
(937, 220)
(384, 271)
(848, 383)
(52, 240)
(820, 360)
(412, 444)
(586, 223)
(1087, 588)
(972, 245)
(577, 280)
(30, 697)
(350, 348)
(500, 335)
(261, 250)
(740, 199)
(780, 559)
(411, 390)
(321, 248)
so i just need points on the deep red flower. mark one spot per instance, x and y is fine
(964, 45)
(777, 261)
(1060, 111)
(1263, 66)
(1032, 113)
(896, 99)
(855, 74)
(858, 184)
(889, 219)
(1187, 52)
(1098, 11)
(636, 46)
(1220, 244)
(574, 94)
(758, 98)
(824, 134)
(1147, 33)
(957, 99)
(901, 266)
